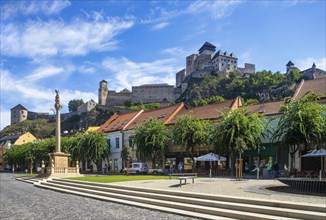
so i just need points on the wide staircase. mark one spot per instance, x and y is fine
(197, 205)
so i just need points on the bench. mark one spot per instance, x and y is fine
(185, 178)
(182, 174)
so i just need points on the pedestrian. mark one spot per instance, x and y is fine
(246, 168)
(269, 170)
(180, 167)
(171, 169)
(13, 169)
(105, 169)
(276, 170)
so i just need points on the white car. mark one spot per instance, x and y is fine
(137, 168)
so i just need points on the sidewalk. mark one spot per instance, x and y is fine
(249, 188)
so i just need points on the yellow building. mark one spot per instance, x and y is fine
(10, 140)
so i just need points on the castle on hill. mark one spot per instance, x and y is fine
(206, 62)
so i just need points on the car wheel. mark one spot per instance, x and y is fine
(155, 173)
(137, 172)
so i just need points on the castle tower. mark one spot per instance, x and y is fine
(207, 48)
(18, 114)
(289, 65)
(102, 92)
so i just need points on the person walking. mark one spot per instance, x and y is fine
(276, 170)
(269, 170)
(180, 167)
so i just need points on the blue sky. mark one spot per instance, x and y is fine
(73, 45)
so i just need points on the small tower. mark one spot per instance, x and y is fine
(289, 65)
(313, 67)
(18, 114)
(102, 92)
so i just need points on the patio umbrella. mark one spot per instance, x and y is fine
(211, 157)
(317, 153)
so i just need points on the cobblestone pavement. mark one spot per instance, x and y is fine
(20, 200)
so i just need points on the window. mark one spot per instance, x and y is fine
(117, 143)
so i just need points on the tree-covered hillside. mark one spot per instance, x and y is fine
(260, 86)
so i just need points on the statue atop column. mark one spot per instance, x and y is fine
(58, 127)
(57, 101)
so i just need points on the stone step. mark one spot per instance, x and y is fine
(28, 180)
(207, 207)
(270, 210)
(137, 204)
(232, 199)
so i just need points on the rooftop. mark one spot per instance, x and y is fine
(208, 112)
(318, 86)
(164, 114)
(268, 108)
(118, 121)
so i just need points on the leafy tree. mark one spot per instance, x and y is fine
(302, 125)
(151, 139)
(251, 102)
(40, 128)
(128, 103)
(30, 154)
(238, 132)
(125, 90)
(191, 133)
(89, 146)
(294, 76)
(74, 104)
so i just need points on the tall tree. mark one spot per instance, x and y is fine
(238, 131)
(151, 139)
(90, 146)
(74, 104)
(302, 125)
(191, 133)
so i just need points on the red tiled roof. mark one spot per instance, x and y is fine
(118, 121)
(212, 111)
(164, 114)
(268, 108)
(318, 86)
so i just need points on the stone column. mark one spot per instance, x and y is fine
(57, 107)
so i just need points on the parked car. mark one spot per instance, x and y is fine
(137, 168)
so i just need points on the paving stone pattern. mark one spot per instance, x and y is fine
(20, 200)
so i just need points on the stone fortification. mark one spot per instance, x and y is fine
(144, 93)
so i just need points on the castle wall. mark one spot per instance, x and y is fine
(116, 98)
(202, 61)
(179, 77)
(37, 115)
(153, 93)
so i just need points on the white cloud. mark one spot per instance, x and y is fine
(244, 58)
(33, 95)
(135, 74)
(56, 37)
(160, 26)
(217, 9)
(5, 118)
(175, 51)
(16, 8)
(44, 72)
(306, 63)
